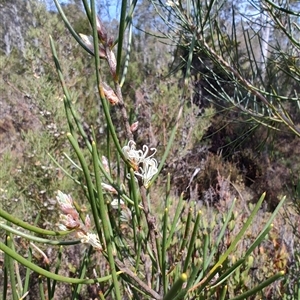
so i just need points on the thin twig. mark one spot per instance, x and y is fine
(112, 65)
(244, 82)
(140, 283)
(123, 110)
(151, 222)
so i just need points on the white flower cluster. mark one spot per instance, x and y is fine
(90, 238)
(144, 166)
(70, 220)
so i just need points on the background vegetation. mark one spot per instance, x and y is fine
(234, 73)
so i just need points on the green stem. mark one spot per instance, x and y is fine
(41, 288)
(58, 264)
(70, 112)
(192, 242)
(127, 57)
(259, 287)
(206, 262)
(266, 228)
(176, 287)
(37, 239)
(45, 273)
(135, 197)
(27, 276)
(11, 269)
(87, 176)
(70, 28)
(164, 251)
(200, 286)
(99, 81)
(5, 277)
(105, 220)
(186, 232)
(179, 207)
(82, 271)
(121, 38)
(29, 227)
(87, 10)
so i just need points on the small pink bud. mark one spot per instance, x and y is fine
(69, 222)
(102, 32)
(109, 188)
(105, 163)
(110, 94)
(111, 59)
(65, 202)
(102, 53)
(87, 222)
(68, 210)
(110, 42)
(88, 41)
(134, 126)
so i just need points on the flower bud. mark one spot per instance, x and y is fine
(134, 126)
(102, 53)
(116, 203)
(102, 32)
(111, 59)
(108, 188)
(87, 222)
(110, 94)
(88, 41)
(69, 221)
(105, 163)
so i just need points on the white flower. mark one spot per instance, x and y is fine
(62, 227)
(64, 201)
(69, 218)
(116, 203)
(137, 157)
(134, 156)
(148, 170)
(146, 149)
(90, 238)
(69, 221)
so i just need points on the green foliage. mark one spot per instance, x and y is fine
(293, 282)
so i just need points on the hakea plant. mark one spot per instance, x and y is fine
(166, 256)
